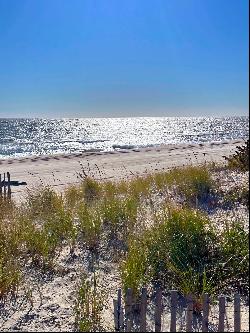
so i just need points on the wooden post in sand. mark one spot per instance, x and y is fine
(174, 303)
(205, 313)
(158, 310)
(236, 313)
(221, 313)
(189, 315)
(143, 310)
(1, 190)
(4, 187)
(128, 310)
(8, 186)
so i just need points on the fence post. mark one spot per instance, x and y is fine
(1, 191)
(4, 186)
(119, 310)
(205, 313)
(221, 313)
(236, 313)
(189, 313)
(158, 310)
(143, 310)
(8, 186)
(173, 310)
(115, 302)
(128, 310)
(121, 320)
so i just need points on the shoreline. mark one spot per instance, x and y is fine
(121, 148)
(62, 170)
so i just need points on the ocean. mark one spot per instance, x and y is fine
(29, 137)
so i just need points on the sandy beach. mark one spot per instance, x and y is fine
(46, 301)
(59, 171)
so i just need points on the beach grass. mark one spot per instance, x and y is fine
(162, 235)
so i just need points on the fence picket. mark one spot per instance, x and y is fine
(221, 313)
(119, 309)
(1, 186)
(8, 186)
(4, 186)
(158, 310)
(189, 313)
(173, 310)
(236, 313)
(115, 302)
(129, 323)
(121, 320)
(128, 310)
(143, 310)
(205, 313)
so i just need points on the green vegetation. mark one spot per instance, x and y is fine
(240, 159)
(160, 238)
(183, 251)
(89, 304)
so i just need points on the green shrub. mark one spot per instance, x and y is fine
(140, 186)
(237, 194)
(240, 159)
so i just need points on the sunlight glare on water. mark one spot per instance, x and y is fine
(25, 137)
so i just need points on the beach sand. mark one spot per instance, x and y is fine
(50, 303)
(59, 171)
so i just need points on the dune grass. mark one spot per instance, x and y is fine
(184, 252)
(89, 305)
(175, 245)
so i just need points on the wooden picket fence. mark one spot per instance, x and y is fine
(132, 316)
(5, 189)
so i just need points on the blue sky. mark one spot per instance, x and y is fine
(86, 58)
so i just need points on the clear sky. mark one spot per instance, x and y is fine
(86, 58)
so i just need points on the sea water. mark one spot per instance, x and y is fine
(27, 137)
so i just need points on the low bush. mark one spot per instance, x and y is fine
(240, 159)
